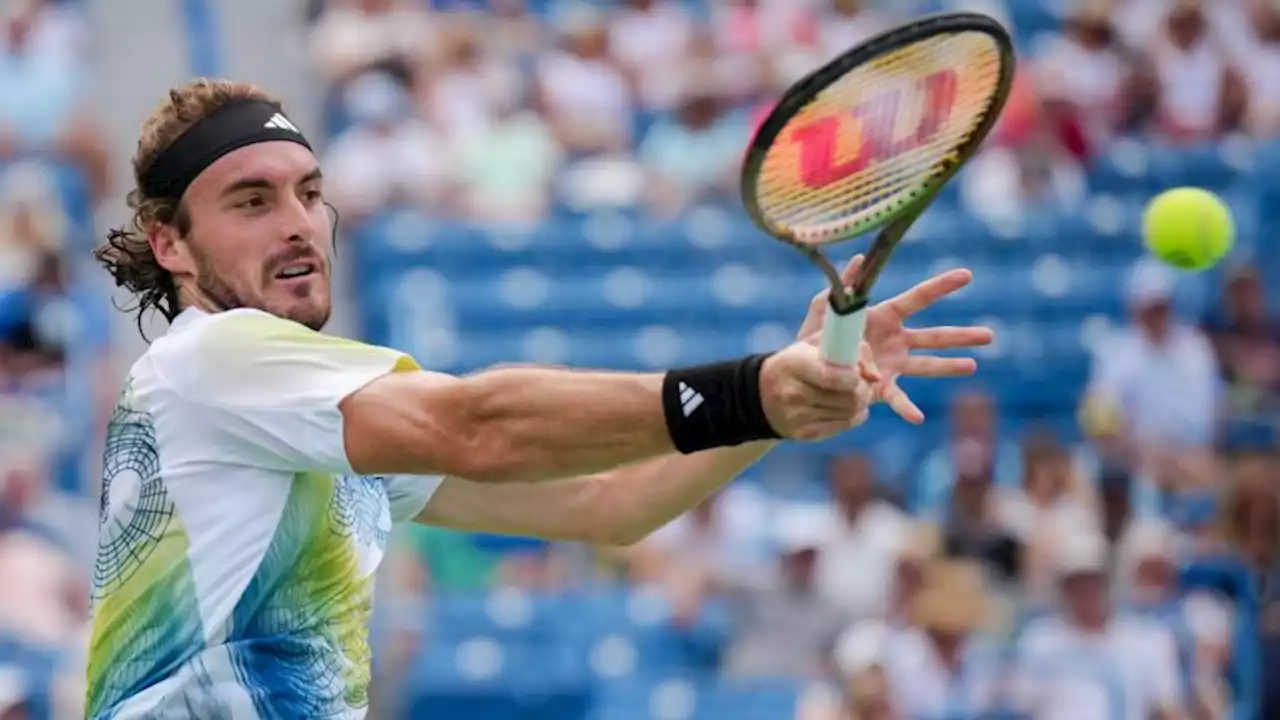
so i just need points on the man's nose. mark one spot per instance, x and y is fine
(296, 223)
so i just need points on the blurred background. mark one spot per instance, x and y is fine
(1088, 529)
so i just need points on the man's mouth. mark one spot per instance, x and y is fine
(296, 270)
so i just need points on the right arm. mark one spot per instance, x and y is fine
(507, 425)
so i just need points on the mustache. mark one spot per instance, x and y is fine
(295, 255)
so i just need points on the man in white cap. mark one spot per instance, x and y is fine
(1087, 661)
(1157, 377)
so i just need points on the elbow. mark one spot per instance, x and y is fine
(488, 457)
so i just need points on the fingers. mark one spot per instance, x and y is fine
(896, 398)
(944, 338)
(806, 398)
(929, 292)
(846, 275)
(932, 366)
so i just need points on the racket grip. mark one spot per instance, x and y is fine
(842, 336)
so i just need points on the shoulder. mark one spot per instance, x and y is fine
(240, 355)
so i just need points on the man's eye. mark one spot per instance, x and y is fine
(256, 201)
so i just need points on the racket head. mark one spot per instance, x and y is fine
(871, 136)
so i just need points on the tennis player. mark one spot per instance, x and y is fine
(254, 466)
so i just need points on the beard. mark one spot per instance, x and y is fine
(219, 293)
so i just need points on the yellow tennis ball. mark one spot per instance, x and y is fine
(1188, 228)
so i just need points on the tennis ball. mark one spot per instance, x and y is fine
(1189, 228)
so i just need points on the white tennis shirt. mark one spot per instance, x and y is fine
(235, 566)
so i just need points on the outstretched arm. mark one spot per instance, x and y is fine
(621, 506)
(535, 424)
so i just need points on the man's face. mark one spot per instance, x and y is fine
(971, 416)
(852, 481)
(1086, 598)
(1153, 317)
(260, 235)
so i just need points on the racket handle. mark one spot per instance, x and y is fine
(842, 336)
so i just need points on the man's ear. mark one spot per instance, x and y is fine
(170, 250)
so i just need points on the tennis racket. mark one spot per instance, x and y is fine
(867, 141)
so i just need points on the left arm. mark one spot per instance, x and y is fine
(616, 507)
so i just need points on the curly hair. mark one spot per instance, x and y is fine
(126, 253)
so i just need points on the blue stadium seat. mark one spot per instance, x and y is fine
(1207, 165)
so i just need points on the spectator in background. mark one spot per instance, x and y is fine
(1247, 340)
(42, 79)
(582, 89)
(651, 40)
(460, 89)
(1198, 94)
(1157, 377)
(695, 155)
(741, 79)
(972, 525)
(1250, 520)
(387, 157)
(785, 627)
(1087, 80)
(505, 170)
(1258, 474)
(855, 570)
(848, 23)
(511, 32)
(719, 544)
(859, 689)
(31, 224)
(782, 36)
(1258, 59)
(353, 36)
(1099, 646)
(1053, 500)
(1201, 622)
(942, 661)
(974, 434)
(46, 612)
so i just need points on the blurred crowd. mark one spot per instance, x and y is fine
(53, 170)
(1145, 548)
(511, 114)
(955, 591)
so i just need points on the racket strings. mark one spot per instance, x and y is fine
(816, 182)
(906, 164)
(863, 189)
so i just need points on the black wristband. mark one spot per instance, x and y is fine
(710, 406)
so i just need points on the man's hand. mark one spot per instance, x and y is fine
(806, 398)
(888, 343)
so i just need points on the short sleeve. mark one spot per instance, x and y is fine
(409, 494)
(265, 391)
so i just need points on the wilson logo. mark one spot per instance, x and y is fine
(869, 130)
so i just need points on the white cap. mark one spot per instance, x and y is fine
(1081, 551)
(1150, 281)
(803, 526)
(861, 647)
(1149, 538)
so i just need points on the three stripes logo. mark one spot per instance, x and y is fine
(280, 122)
(690, 399)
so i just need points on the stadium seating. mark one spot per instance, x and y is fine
(613, 290)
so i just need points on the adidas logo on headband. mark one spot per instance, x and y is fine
(280, 122)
